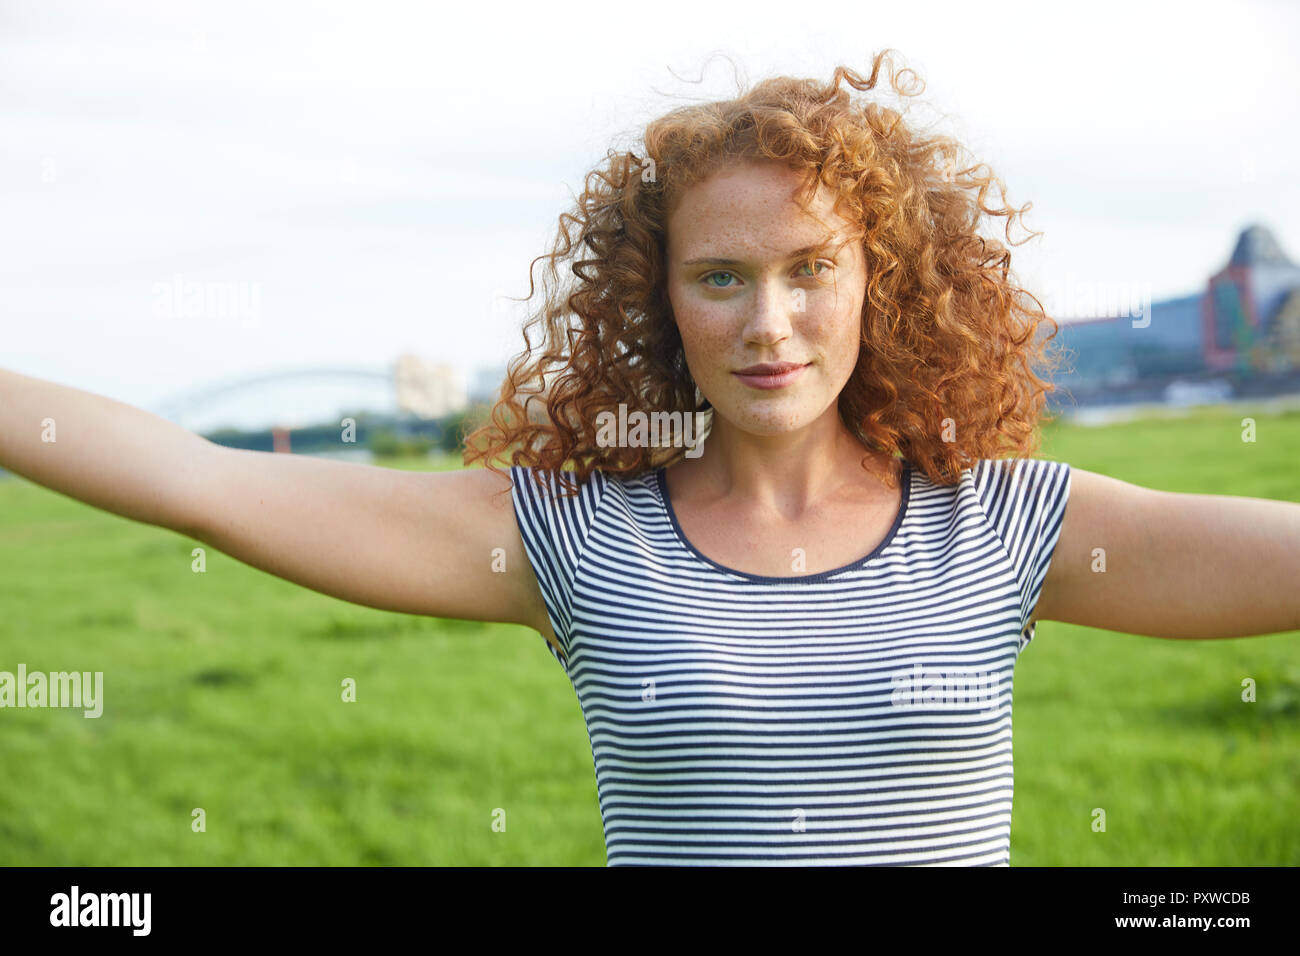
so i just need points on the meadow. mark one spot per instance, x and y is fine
(223, 692)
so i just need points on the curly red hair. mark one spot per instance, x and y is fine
(945, 375)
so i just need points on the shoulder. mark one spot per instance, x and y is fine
(562, 505)
(1024, 500)
(555, 486)
(1023, 472)
(1020, 483)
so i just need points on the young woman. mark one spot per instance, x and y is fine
(792, 635)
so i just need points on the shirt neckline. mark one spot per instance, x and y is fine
(905, 483)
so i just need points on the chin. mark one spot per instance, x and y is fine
(772, 421)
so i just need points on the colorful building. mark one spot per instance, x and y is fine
(1245, 325)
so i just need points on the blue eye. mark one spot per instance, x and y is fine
(713, 275)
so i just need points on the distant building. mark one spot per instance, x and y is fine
(486, 384)
(429, 391)
(1245, 324)
(1244, 303)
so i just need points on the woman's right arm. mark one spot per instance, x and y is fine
(414, 542)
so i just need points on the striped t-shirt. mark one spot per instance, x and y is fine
(855, 716)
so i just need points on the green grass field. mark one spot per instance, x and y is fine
(223, 693)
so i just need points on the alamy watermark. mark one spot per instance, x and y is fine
(1086, 299)
(80, 689)
(183, 298)
(76, 908)
(952, 688)
(636, 429)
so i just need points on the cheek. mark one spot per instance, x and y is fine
(850, 346)
(848, 318)
(705, 337)
(850, 330)
(838, 333)
(707, 354)
(836, 326)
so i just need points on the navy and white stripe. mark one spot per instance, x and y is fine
(737, 719)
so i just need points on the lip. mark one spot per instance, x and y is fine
(771, 374)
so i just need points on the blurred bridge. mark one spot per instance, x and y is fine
(293, 397)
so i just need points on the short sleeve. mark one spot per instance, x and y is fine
(554, 531)
(1025, 505)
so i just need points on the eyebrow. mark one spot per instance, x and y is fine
(797, 254)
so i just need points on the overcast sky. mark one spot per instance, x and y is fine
(373, 176)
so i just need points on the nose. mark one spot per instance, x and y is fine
(771, 313)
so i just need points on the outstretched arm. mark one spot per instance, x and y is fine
(1166, 564)
(442, 544)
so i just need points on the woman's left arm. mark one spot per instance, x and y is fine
(1166, 564)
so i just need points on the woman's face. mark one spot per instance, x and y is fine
(741, 296)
